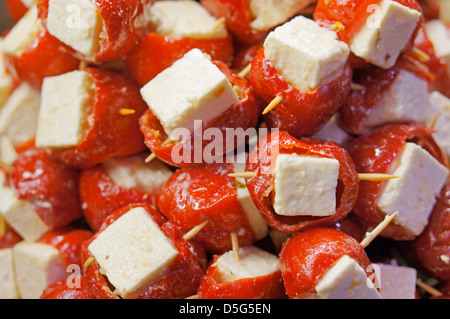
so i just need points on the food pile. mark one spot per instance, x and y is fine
(232, 149)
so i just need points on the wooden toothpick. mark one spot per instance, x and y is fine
(273, 104)
(377, 230)
(194, 231)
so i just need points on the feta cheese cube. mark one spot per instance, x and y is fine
(6, 82)
(439, 35)
(305, 185)
(346, 279)
(29, 3)
(193, 88)
(132, 251)
(67, 101)
(304, 53)
(22, 34)
(19, 115)
(185, 19)
(36, 266)
(8, 288)
(396, 282)
(384, 35)
(77, 23)
(133, 172)
(8, 153)
(253, 262)
(414, 193)
(406, 100)
(270, 13)
(441, 104)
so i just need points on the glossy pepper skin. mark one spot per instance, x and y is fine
(61, 290)
(197, 194)
(299, 113)
(262, 161)
(243, 115)
(16, 9)
(306, 256)
(373, 152)
(49, 185)
(157, 52)
(179, 280)
(110, 133)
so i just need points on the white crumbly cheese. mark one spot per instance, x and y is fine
(385, 33)
(8, 288)
(440, 105)
(271, 13)
(37, 266)
(19, 115)
(253, 262)
(21, 216)
(346, 279)
(6, 81)
(257, 222)
(67, 101)
(8, 153)
(22, 33)
(406, 100)
(439, 35)
(414, 192)
(77, 23)
(132, 251)
(133, 173)
(305, 185)
(29, 3)
(193, 88)
(185, 19)
(396, 282)
(331, 131)
(304, 53)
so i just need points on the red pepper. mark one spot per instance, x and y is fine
(49, 185)
(261, 287)
(373, 152)
(307, 256)
(239, 116)
(9, 238)
(111, 134)
(262, 161)
(16, 9)
(157, 52)
(61, 290)
(299, 113)
(202, 193)
(179, 280)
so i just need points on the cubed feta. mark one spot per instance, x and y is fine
(414, 192)
(193, 88)
(77, 23)
(253, 262)
(185, 19)
(304, 53)
(37, 266)
(383, 36)
(6, 82)
(8, 153)
(346, 279)
(396, 282)
(67, 101)
(439, 35)
(29, 3)
(132, 251)
(8, 288)
(441, 105)
(305, 185)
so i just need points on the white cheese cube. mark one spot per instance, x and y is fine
(133, 172)
(413, 194)
(346, 279)
(67, 101)
(8, 288)
(406, 100)
(132, 251)
(37, 266)
(305, 185)
(439, 35)
(257, 222)
(21, 216)
(19, 115)
(77, 23)
(253, 262)
(270, 13)
(304, 53)
(331, 131)
(6, 81)
(8, 153)
(185, 19)
(29, 3)
(384, 35)
(193, 88)
(22, 34)
(441, 104)
(396, 282)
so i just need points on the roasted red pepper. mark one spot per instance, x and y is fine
(61, 290)
(262, 161)
(16, 9)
